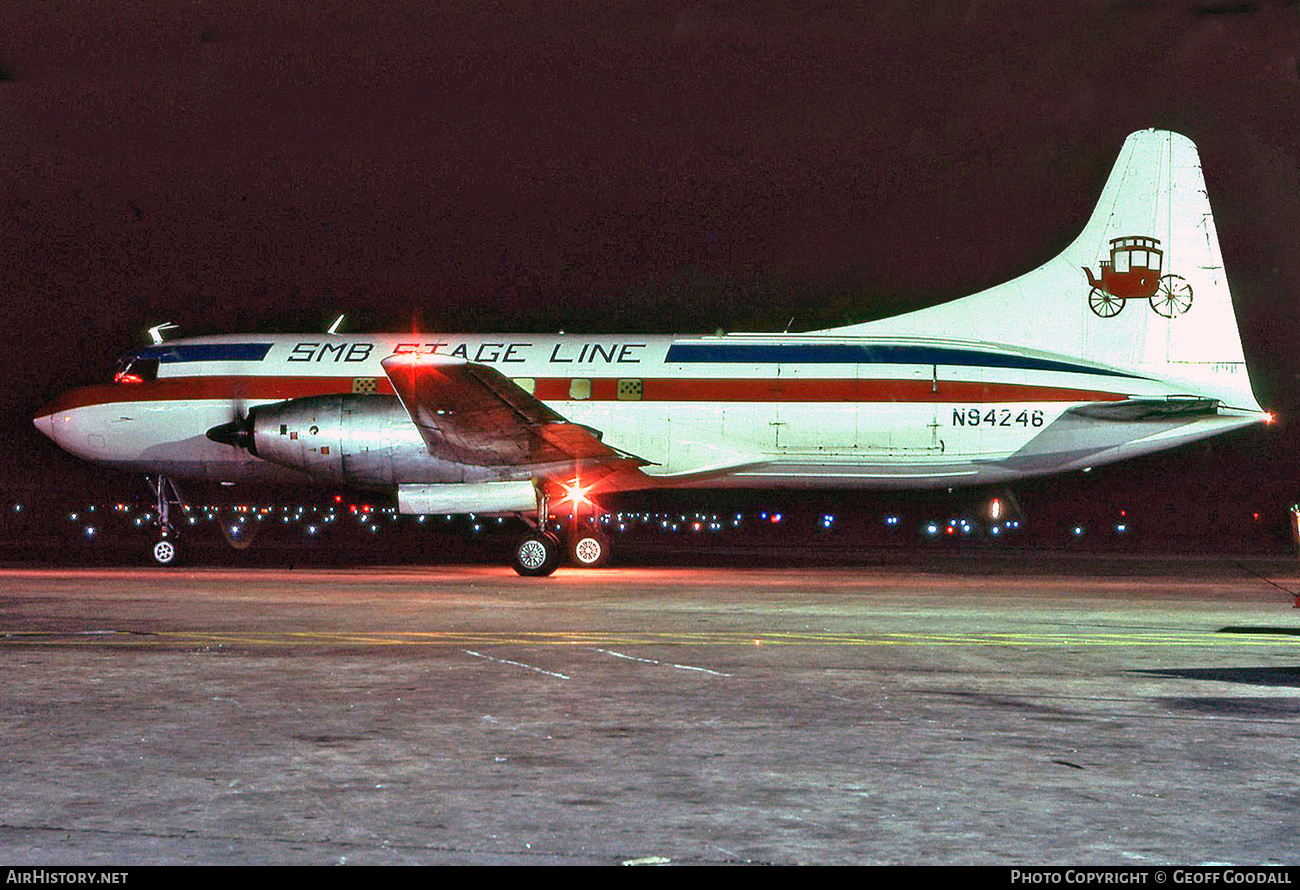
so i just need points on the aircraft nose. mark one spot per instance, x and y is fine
(44, 421)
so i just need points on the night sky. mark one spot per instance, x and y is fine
(655, 166)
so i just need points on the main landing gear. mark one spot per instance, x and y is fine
(589, 548)
(540, 552)
(537, 554)
(165, 551)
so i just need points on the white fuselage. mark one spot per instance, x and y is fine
(753, 411)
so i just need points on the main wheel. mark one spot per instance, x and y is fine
(1173, 296)
(590, 549)
(1104, 303)
(536, 555)
(165, 552)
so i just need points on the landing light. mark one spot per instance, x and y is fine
(577, 493)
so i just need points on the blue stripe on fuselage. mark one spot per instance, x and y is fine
(867, 354)
(206, 352)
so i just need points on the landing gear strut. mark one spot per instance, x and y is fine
(539, 552)
(164, 551)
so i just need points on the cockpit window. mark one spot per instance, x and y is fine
(132, 369)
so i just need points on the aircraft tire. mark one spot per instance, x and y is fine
(536, 555)
(165, 552)
(590, 550)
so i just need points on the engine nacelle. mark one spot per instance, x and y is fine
(361, 440)
(367, 441)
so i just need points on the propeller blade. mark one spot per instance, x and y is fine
(237, 433)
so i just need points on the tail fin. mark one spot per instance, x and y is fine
(1142, 288)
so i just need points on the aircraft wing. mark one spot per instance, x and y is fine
(473, 414)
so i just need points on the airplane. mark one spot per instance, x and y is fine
(1122, 345)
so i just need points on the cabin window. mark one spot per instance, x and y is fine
(630, 390)
(527, 384)
(580, 388)
(1139, 259)
(136, 370)
(1154, 263)
(1121, 261)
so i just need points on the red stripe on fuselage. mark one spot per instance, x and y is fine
(557, 389)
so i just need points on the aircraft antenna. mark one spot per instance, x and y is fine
(156, 332)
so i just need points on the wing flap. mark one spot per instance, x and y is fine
(473, 414)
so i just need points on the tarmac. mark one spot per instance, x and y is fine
(982, 709)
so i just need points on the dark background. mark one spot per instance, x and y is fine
(607, 166)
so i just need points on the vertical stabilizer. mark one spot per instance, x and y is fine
(1142, 288)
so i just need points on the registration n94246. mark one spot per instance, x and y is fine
(1002, 416)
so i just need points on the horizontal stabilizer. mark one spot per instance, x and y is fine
(1130, 410)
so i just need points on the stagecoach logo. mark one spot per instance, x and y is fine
(1133, 273)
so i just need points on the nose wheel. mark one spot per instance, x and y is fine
(165, 552)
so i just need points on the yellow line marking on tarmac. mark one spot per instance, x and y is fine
(1042, 639)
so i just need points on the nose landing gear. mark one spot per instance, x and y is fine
(165, 551)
